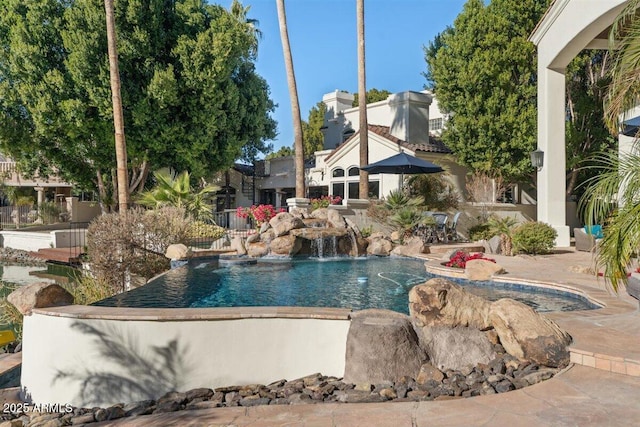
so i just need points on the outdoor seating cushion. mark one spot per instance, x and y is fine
(594, 230)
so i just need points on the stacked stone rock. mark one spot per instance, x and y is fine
(19, 256)
(504, 373)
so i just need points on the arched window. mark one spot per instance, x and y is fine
(337, 173)
(354, 171)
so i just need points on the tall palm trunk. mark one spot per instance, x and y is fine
(363, 188)
(295, 105)
(118, 119)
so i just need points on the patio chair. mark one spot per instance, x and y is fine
(441, 226)
(587, 241)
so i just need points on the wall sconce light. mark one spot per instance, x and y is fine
(537, 159)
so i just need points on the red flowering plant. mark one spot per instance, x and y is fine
(259, 214)
(460, 258)
(325, 201)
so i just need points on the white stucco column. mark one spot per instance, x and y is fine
(551, 178)
(40, 191)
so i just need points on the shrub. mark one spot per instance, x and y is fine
(200, 229)
(9, 315)
(134, 243)
(325, 201)
(503, 227)
(260, 214)
(49, 212)
(480, 232)
(534, 238)
(366, 231)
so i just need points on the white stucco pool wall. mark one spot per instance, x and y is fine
(213, 352)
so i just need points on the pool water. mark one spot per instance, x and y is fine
(356, 283)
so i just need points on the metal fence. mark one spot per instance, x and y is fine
(24, 216)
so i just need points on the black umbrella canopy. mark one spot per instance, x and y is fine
(402, 163)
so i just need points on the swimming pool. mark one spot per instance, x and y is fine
(356, 283)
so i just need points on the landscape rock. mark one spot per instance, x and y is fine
(253, 238)
(440, 302)
(492, 246)
(428, 372)
(457, 348)
(178, 251)
(237, 244)
(381, 346)
(39, 295)
(320, 213)
(379, 247)
(335, 219)
(285, 245)
(411, 247)
(257, 249)
(528, 335)
(481, 269)
(284, 222)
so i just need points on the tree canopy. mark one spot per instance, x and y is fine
(483, 71)
(373, 95)
(192, 99)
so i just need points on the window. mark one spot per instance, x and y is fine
(337, 173)
(354, 190)
(354, 171)
(337, 189)
(374, 189)
(435, 124)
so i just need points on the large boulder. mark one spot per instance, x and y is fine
(252, 238)
(257, 249)
(39, 295)
(411, 247)
(335, 220)
(237, 244)
(320, 213)
(482, 269)
(381, 346)
(285, 245)
(528, 335)
(456, 348)
(284, 222)
(379, 247)
(440, 302)
(178, 251)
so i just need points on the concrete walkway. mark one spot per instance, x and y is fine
(602, 388)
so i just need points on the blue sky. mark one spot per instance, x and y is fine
(322, 34)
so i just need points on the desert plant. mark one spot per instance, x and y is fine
(534, 238)
(9, 315)
(134, 243)
(174, 189)
(366, 231)
(200, 229)
(405, 220)
(503, 227)
(480, 232)
(398, 199)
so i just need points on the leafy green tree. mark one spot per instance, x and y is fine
(484, 71)
(586, 132)
(312, 137)
(282, 152)
(373, 95)
(192, 99)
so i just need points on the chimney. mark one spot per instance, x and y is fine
(334, 122)
(410, 116)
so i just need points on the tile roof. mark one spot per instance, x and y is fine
(433, 146)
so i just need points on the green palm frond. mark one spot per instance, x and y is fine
(624, 42)
(612, 198)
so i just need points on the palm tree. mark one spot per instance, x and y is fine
(612, 196)
(118, 119)
(363, 188)
(174, 189)
(295, 104)
(624, 42)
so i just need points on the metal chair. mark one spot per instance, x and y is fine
(441, 226)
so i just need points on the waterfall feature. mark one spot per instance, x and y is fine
(324, 247)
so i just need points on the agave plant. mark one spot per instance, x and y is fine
(174, 189)
(612, 198)
(398, 199)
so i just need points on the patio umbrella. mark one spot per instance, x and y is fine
(402, 163)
